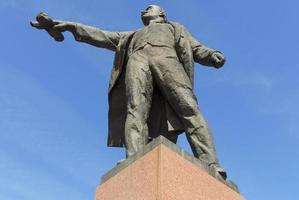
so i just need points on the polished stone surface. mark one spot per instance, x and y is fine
(162, 171)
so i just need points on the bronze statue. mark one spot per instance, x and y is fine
(151, 87)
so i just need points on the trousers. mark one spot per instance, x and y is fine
(152, 67)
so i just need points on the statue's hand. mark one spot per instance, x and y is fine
(43, 21)
(218, 59)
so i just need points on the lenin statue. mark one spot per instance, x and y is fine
(151, 86)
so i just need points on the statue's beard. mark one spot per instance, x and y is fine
(147, 19)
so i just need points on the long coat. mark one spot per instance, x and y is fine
(162, 119)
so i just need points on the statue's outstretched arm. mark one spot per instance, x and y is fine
(82, 33)
(97, 37)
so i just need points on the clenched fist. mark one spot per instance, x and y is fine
(218, 59)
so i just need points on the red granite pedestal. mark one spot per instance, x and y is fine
(162, 172)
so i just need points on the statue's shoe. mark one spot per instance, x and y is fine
(220, 174)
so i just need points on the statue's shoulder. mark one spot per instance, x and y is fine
(176, 25)
(179, 30)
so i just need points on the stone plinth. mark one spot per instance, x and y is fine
(162, 171)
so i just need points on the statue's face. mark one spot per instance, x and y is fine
(150, 13)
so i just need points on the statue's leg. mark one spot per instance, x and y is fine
(139, 90)
(175, 85)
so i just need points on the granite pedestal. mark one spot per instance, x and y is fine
(162, 171)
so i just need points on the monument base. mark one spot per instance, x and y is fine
(162, 171)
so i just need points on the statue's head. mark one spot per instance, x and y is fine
(153, 13)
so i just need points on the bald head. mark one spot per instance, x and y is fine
(153, 13)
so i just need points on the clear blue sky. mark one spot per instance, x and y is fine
(53, 96)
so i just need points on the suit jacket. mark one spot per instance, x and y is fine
(162, 119)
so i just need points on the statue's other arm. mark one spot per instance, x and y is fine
(205, 55)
